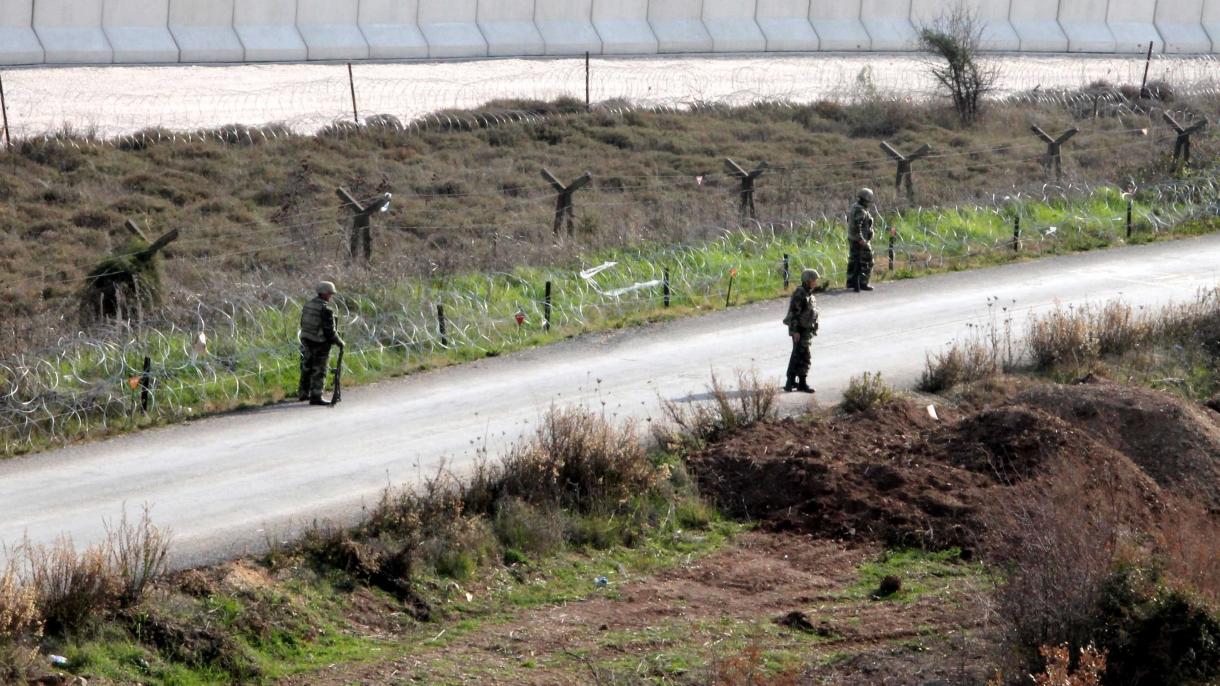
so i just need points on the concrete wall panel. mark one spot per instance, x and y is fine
(997, 33)
(1084, 22)
(18, 42)
(331, 29)
(70, 32)
(1211, 22)
(678, 25)
(508, 26)
(1037, 25)
(1179, 25)
(138, 30)
(623, 27)
(204, 31)
(268, 30)
(837, 23)
(732, 26)
(390, 30)
(567, 26)
(451, 28)
(888, 23)
(1133, 24)
(785, 25)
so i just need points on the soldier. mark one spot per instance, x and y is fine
(859, 249)
(802, 321)
(317, 335)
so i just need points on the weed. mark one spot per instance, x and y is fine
(724, 411)
(865, 392)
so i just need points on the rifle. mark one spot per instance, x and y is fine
(337, 395)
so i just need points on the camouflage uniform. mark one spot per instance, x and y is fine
(859, 249)
(802, 319)
(317, 335)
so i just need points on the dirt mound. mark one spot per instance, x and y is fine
(896, 475)
(1175, 442)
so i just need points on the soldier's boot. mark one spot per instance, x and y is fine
(317, 400)
(790, 385)
(802, 386)
(865, 287)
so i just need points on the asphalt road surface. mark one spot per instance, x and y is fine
(226, 484)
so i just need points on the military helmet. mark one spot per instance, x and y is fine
(809, 274)
(325, 288)
(865, 195)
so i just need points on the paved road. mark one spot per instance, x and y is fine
(222, 484)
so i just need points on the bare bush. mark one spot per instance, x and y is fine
(955, 37)
(865, 392)
(138, 552)
(1090, 666)
(1062, 336)
(961, 363)
(18, 606)
(72, 590)
(725, 411)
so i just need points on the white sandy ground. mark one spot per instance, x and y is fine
(116, 100)
(225, 483)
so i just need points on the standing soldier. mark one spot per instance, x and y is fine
(317, 335)
(802, 321)
(859, 249)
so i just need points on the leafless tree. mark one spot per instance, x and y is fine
(954, 38)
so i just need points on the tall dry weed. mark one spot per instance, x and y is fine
(19, 615)
(138, 552)
(72, 590)
(724, 410)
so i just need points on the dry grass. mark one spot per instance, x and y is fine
(19, 615)
(962, 363)
(138, 552)
(724, 411)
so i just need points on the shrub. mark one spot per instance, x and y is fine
(72, 591)
(18, 606)
(523, 527)
(955, 38)
(865, 392)
(724, 411)
(1061, 337)
(961, 363)
(137, 554)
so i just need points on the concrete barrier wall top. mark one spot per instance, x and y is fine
(785, 25)
(508, 26)
(1211, 22)
(996, 33)
(18, 42)
(678, 26)
(1133, 24)
(70, 32)
(204, 31)
(888, 23)
(1180, 28)
(1084, 22)
(268, 30)
(331, 29)
(451, 28)
(567, 26)
(390, 30)
(837, 23)
(138, 30)
(1037, 25)
(623, 27)
(732, 26)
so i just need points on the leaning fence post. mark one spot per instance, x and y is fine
(890, 252)
(665, 286)
(728, 295)
(546, 308)
(904, 166)
(747, 185)
(563, 203)
(145, 383)
(440, 325)
(1130, 204)
(786, 273)
(1181, 145)
(1054, 149)
(1016, 233)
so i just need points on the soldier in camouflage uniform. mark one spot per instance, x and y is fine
(317, 335)
(802, 321)
(859, 248)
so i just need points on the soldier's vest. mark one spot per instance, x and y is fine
(311, 321)
(862, 221)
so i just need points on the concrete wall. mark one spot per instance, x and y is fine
(567, 26)
(451, 28)
(1084, 22)
(1133, 24)
(888, 23)
(623, 27)
(390, 29)
(1037, 25)
(204, 31)
(678, 26)
(18, 42)
(331, 29)
(70, 32)
(1178, 23)
(508, 26)
(138, 30)
(837, 23)
(997, 33)
(785, 25)
(268, 30)
(732, 26)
